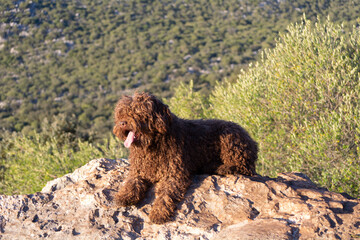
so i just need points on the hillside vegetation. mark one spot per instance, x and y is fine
(64, 64)
(78, 57)
(300, 102)
(28, 162)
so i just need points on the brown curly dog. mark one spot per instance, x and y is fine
(168, 150)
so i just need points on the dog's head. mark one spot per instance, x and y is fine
(140, 118)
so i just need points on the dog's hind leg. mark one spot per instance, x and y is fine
(132, 191)
(238, 155)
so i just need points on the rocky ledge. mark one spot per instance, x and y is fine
(79, 206)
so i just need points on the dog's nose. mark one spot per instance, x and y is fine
(122, 124)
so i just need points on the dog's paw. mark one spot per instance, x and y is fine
(159, 215)
(124, 199)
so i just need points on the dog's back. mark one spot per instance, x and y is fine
(217, 146)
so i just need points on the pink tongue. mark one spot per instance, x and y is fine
(129, 139)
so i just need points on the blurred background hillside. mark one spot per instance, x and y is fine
(64, 64)
(78, 57)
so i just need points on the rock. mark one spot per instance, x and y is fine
(79, 206)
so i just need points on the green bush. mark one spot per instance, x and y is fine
(28, 162)
(187, 103)
(301, 103)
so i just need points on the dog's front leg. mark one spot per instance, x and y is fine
(132, 191)
(169, 191)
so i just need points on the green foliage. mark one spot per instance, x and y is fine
(78, 57)
(28, 162)
(73, 59)
(188, 103)
(301, 103)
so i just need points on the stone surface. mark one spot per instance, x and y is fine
(79, 206)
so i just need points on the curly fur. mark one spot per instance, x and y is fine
(168, 150)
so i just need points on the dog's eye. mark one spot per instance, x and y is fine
(123, 124)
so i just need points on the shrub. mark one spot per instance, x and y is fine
(28, 162)
(301, 103)
(188, 103)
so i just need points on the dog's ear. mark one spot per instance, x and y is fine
(163, 119)
(162, 115)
